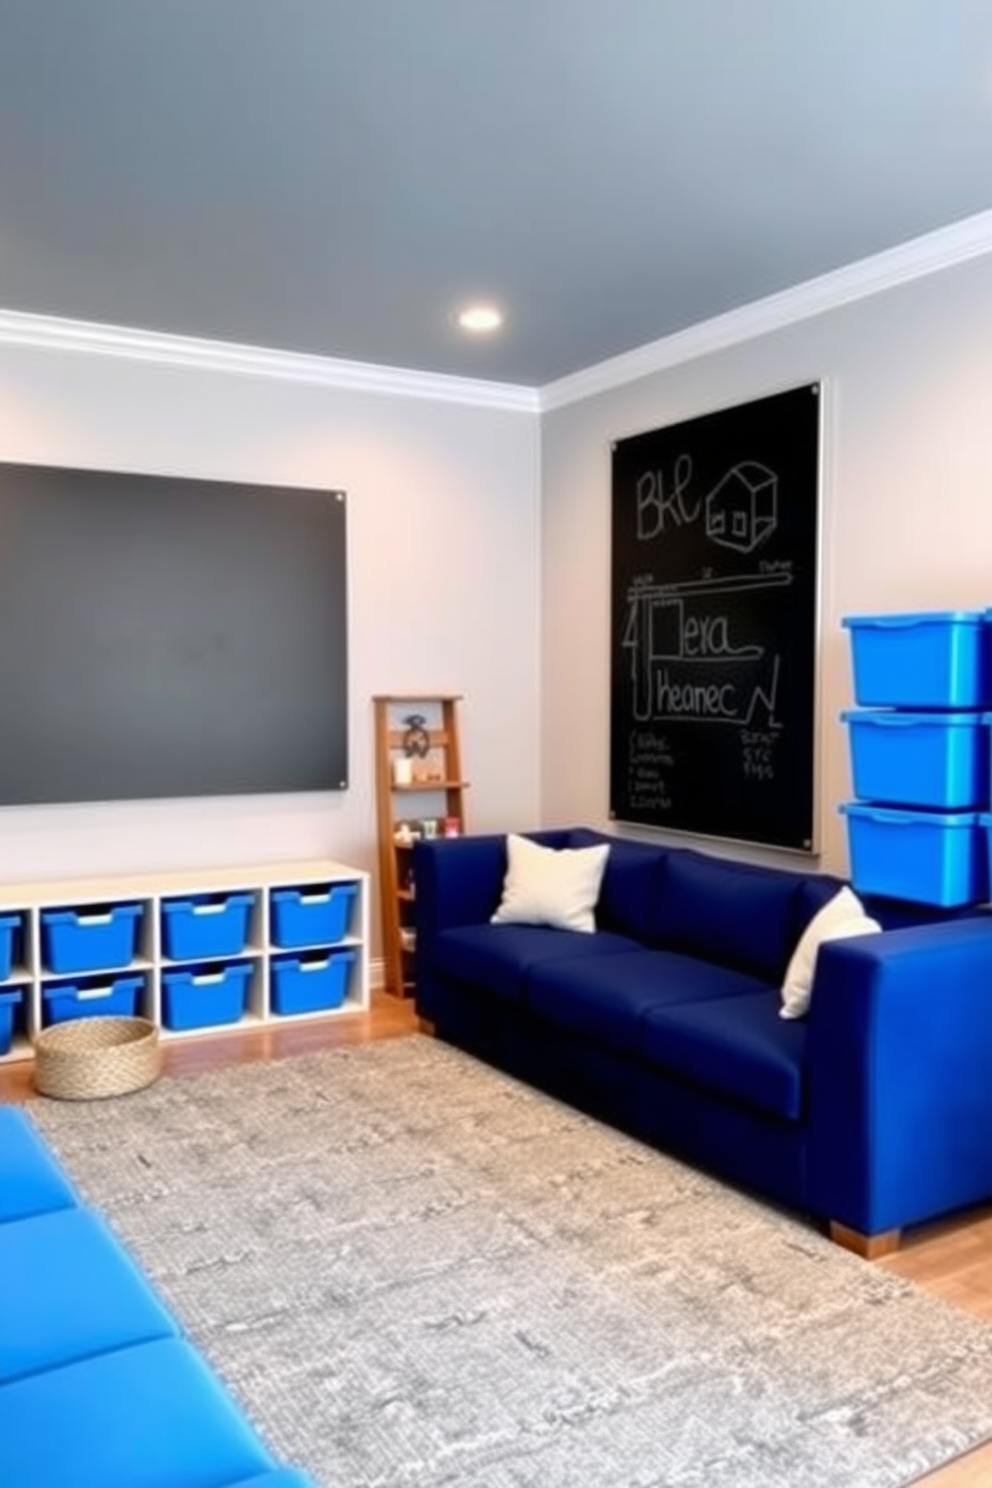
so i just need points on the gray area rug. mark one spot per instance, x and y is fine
(413, 1271)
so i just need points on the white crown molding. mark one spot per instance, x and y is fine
(51, 333)
(968, 239)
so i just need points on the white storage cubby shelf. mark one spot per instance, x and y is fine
(313, 878)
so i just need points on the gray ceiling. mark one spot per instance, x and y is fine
(335, 176)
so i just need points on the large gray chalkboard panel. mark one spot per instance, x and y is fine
(714, 623)
(169, 637)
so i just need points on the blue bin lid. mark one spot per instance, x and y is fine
(75, 988)
(904, 814)
(89, 912)
(921, 617)
(201, 902)
(318, 894)
(9, 921)
(216, 971)
(295, 961)
(898, 717)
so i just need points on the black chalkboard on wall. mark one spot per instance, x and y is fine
(714, 623)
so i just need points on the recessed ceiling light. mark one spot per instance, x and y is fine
(480, 318)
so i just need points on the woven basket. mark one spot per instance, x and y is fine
(88, 1058)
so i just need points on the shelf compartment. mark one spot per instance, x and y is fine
(101, 937)
(311, 916)
(95, 997)
(206, 925)
(10, 925)
(10, 1001)
(94, 908)
(310, 984)
(205, 996)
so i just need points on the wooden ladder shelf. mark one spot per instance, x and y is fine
(419, 792)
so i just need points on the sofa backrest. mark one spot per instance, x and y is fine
(738, 914)
(628, 895)
(742, 915)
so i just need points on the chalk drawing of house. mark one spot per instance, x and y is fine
(742, 511)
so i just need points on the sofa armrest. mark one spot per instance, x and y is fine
(460, 879)
(458, 882)
(899, 1075)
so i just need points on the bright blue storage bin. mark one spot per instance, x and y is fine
(117, 998)
(930, 857)
(9, 925)
(311, 916)
(205, 996)
(310, 984)
(91, 939)
(937, 759)
(937, 659)
(9, 1002)
(205, 925)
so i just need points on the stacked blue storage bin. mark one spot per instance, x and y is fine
(10, 997)
(206, 925)
(315, 921)
(116, 997)
(95, 939)
(205, 994)
(920, 756)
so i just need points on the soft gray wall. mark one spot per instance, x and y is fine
(443, 584)
(906, 504)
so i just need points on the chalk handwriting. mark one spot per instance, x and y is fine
(659, 500)
(758, 753)
(689, 662)
(649, 756)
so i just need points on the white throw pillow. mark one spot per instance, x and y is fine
(842, 916)
(551, 886)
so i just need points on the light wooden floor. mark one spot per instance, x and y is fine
(953, 1259)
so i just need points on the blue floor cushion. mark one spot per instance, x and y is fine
(32, 1181)
(69, 1290)
(152, 1416)
(283, 1477)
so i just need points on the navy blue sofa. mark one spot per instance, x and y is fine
(98, 1386)
(871, 1113)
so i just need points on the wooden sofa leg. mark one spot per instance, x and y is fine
(426, 1026)
(869, 1247)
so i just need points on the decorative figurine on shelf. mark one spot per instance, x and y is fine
(416, 739)
(417, 747)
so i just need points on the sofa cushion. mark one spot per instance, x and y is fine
(630, 886)
(69, 1290)
(816, 890)
(497, 958)
(551, 886)
(738, 1047)
(31, 1181)
(738, 914)
(605, 997)
(152, 1416)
